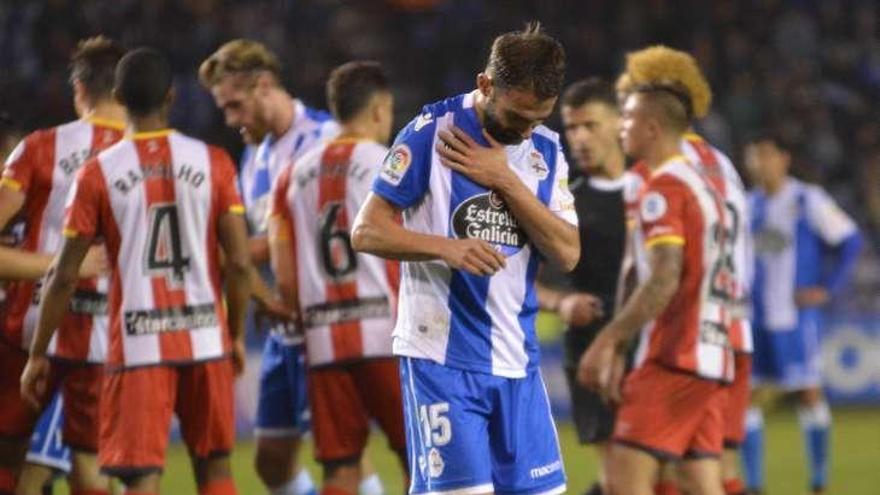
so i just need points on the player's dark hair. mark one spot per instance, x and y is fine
(528, 60)
(673, 102)
(93, 63)
(590, 90)
(771, 136)
(352, 85)
(143, 80)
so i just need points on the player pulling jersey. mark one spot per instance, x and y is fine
(156, 199)
(470, 335)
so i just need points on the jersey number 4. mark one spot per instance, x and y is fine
(166, 254)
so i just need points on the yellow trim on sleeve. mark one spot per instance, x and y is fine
(70, 233)
(111, 123)
(10, 183)
(237, 209)
(673, 239)
(691, 135)
(151, 134)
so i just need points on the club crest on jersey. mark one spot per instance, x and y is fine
(537, 165)
(653, 207)
(485, 216)
(396, 164)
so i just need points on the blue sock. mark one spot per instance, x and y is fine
(816, 426)
(753, 450)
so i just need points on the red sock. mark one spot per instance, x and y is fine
(7, 481)
(222, 486)
(734, 486)
(90, 492)
(666, 488)
(334, 490)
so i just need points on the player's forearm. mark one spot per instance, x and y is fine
(555, 238)
(17, 264)
(53, 305)
(650, 298)
(388, 239)
(847, 256)
(548, 299)
(238, 291)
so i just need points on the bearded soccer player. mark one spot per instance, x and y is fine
(672, 403)
(346, 300)
(35, 184)
(657, 64)
(166, 204)
(483, 189)
(806, 248)
(591, 120)
(244, 77)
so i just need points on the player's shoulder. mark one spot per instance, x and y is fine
(544, 132)
(317, 115)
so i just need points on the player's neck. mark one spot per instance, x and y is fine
(107, 111)
(360, 130)
(283, 113)
(614, 166)
(773, 186)
(147, 123)
(659, 154)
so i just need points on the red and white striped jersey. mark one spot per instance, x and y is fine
(347, 300)
(680, 206)
(723, 175)
(43, 167)
(156, 199)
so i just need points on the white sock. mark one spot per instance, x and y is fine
(372, 486)
(301, 484)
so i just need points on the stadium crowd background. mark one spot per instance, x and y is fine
(809, 69)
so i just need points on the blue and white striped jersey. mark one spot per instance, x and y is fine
(310, 127)
(482, 324)
(794, 231)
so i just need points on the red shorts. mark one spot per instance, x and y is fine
(738, 395)
(344, 398)
(80, 384)
(671, 414)
(136, 409)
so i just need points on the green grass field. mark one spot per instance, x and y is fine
(855, 459)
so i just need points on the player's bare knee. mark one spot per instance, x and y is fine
(212, 468)
(85, 473)
(810, 397)
(276, 460)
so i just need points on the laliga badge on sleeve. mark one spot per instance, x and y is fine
(653, 207)
(396, 164)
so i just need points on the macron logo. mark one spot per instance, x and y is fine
(422, 121)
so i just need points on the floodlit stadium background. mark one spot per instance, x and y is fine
(810, 69)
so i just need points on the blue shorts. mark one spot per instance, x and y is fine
(789, 359)
(47, 448)
(471, 432)
(283, 403)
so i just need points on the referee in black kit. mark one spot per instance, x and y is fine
(591, 120)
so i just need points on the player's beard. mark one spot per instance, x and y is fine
(497, 130)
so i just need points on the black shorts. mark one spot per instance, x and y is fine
(593, 419)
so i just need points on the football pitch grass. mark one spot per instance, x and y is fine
(855, 466)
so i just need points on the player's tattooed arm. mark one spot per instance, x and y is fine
(60, 285)
(599, 366)
(557, 239)
(377, 231)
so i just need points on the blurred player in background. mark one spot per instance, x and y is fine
(660, 64)
(35, 184)
(672, 403)
(591, 121)
(346, 301)
(166, 204)
(483, 189)
(244, 77)
(806, 248)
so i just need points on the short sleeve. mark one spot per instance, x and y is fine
(561, 199)
(406, 169)
(20, 168)
(226, 196)
(827, 218)
(85, 202)
(661, 212)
